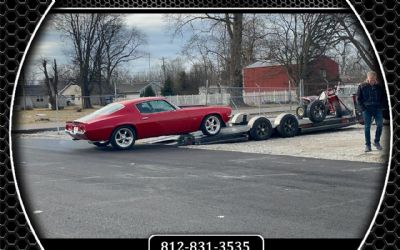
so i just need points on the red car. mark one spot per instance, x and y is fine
(121, 123)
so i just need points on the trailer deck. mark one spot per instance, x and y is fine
(239, 130)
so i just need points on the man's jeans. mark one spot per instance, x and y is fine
(368, 114)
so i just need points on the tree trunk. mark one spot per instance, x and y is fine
(49, 85)
(235, 63)
(54, 87)
(86, 103)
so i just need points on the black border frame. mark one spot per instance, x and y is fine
(20, 19)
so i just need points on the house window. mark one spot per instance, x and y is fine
(39, 98)
(322, 73)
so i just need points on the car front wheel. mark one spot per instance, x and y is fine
(123, 137)
(211, 125)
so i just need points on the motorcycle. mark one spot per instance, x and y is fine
(316, 108)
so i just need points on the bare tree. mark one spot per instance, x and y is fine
(121, 45)
(255, 32)
(51, 81)
(82, 30)
(209, 23)
(298, 39)
(101, 44)
(353, 33)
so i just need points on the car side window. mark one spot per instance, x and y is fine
(144, 107)
(161, 106)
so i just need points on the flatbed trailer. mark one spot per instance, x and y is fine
(244, 127)
(306, 126)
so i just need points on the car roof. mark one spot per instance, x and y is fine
(142, 99)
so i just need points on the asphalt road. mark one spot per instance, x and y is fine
(73, 189)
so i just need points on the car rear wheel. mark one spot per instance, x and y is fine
(211, 125)
(123, 137)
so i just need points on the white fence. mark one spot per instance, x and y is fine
(201, 99)
(250, 97)
(268, 97)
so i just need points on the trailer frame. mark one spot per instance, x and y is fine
(239, 127)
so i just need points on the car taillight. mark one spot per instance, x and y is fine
(81, 128)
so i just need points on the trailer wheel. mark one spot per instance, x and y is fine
(288, 126)
(261, 129)
(317, 111)
(300, 112)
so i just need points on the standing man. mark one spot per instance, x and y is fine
(371, 99)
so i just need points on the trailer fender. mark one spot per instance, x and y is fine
(254, 119)
(278, 119)
(240, 119)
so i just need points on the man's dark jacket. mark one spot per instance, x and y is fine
(371, 97)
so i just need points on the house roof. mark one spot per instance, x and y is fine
(131, 88)
(32, 90)
(136, 87)
(260, 64)
(66, 87)
(270, 63)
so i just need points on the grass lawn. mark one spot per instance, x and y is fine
(62, 115)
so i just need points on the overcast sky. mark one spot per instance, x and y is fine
(50, 43)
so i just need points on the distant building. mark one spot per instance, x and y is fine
(132, 91)
(274, 77)
(71, 93)
(31, 96)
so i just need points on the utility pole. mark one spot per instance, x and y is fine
(206, 92)
(163, 68)
(148, 76)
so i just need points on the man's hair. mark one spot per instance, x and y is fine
(372, 73)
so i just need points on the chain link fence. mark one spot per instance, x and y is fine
(267, 101)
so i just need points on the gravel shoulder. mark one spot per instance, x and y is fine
(344, 144)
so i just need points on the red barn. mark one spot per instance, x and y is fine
(273, 77)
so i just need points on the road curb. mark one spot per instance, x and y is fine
(33, 131)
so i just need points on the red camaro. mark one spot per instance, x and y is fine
(121, 123)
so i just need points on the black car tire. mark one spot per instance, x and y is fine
(211, 125)
(288, 126)
(118, 141)
(261, 129)
(317, 111)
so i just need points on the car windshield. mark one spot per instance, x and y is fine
(109, 109)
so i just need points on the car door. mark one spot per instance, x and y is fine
(148, 124)
(170, 118)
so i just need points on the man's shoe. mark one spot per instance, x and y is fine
(378, 146)
(367, 149)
